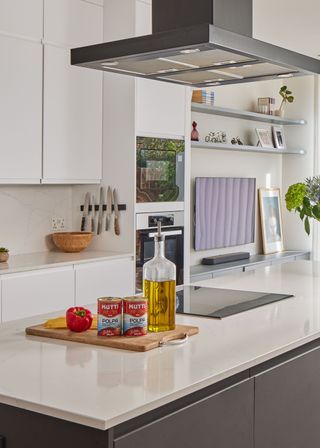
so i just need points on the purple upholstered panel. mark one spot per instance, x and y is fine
(225, 212)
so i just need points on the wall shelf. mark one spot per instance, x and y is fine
(244, 115)
(246, 148)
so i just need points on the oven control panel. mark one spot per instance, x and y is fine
(166, 220)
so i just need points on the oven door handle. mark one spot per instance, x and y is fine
(166, 233)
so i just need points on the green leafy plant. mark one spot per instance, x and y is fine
(304, 198)
(286, 96)
(3, 249)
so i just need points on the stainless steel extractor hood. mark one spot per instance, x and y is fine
(199, 44)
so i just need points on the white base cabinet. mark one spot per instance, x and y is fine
(104, 279)
(28, 294)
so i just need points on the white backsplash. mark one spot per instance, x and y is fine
(26, 215)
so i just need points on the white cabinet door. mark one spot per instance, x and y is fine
(72, 23)
(22, 17)
(160, 109)
(104, 279)
(72, 149)
(36, 292)
(20, 110)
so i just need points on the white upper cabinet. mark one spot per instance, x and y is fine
(160, 109)
(72, 23)
(72, 141)
(20, 110)
(72, 120)
(22, 17)
(160, 106)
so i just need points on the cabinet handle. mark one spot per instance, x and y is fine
(2, 442)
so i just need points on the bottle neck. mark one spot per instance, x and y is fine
(159, 249)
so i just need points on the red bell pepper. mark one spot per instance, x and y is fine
(78, 319)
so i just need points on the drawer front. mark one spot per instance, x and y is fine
(36, 292)
(104, 279)
(223, 420)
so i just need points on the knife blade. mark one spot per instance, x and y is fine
(109, 208)
(93, 214)
(101, 203)
(116, 213)
(85, 212)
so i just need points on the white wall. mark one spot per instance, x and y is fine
(26, 215)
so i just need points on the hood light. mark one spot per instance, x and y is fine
(172, 61)
(168, 70)
(110, 64)
(214, 80)
(120, 70)
(224, 63)
(190, 51)
(286, 75)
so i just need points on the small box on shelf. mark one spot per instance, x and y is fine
(203, 96)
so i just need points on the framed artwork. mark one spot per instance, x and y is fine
(271, 220)
(278, 137)
(264, 137)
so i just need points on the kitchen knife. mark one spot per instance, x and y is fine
(109, 208)
(116, 213)
(85, 212)
(101, 203)
(93, 215)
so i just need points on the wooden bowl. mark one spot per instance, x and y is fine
(72, 241)
(4, 257)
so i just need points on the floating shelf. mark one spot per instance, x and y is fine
(246, 148)
(244, 115)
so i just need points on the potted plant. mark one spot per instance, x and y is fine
(287, 97)
(304, 198)
(4, 254)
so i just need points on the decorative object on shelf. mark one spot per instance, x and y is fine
(278, 137)
(72, 241)
(203, 96)
(271, 220)
(4, 255)
(194, 132)
(287, 97)
(266, 105)
(304, 198)
(216, 137)
(236, 141)
(264, 137)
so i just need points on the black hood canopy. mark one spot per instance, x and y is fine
(197, 44)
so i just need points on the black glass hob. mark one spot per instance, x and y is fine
(219, 303)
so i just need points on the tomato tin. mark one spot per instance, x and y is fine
(109, 316)
(135, 316)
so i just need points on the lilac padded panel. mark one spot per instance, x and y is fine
(225, 212)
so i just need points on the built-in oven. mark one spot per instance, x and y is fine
(160, 170)
(172, 227)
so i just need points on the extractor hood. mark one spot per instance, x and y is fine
(197, 43)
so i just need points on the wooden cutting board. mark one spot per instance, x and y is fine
(138, 344)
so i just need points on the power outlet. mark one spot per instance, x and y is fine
(58, 224)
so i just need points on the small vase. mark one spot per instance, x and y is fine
(194, 133)
(280, 112)
(4, 257)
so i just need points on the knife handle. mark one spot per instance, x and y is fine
(83, 224)
(116, 226)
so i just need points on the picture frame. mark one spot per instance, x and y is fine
(271, 220)
(278, 137)
(264, 137)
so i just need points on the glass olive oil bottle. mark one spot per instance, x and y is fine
(159, 286)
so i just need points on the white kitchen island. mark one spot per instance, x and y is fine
(216, 373)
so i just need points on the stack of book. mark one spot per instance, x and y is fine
(266, 105)
(203, 96)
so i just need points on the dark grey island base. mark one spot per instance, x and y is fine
(273, 405)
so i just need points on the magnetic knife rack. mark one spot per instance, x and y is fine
(121, 207)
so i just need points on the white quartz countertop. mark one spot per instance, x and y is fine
(102, 387)
(43, 260)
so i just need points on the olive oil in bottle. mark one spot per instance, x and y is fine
(159, 286)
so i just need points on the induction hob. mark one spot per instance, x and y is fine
(219, 303)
